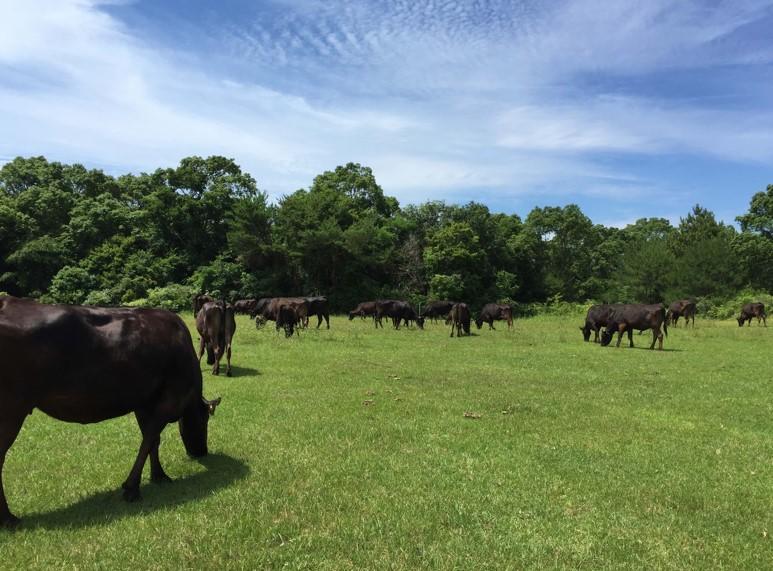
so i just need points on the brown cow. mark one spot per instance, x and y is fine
(682, 308)
(460, 319)
(199, 300)
(216, 326)
(751, 310)
(492, 311)
(630, 316)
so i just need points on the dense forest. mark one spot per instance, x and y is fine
(74, 235)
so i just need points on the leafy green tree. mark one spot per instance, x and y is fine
(759, 218)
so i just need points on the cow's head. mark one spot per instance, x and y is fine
(479, 322)
(740, 321)
(420, 322)
(193, 426)
(585, 332)
(607, 334)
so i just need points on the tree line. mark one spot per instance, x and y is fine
(74, 235)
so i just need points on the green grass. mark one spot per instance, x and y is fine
(349, 449)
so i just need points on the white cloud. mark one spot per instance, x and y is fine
(439, 101)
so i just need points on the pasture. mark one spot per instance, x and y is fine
(359, 448)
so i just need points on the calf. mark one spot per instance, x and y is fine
(287, 318)
(494, 311)
(245, 306)
(216, 326)
(682, 308)
(363, 309)
(460, 319)
(318, 306)
(630, 316)
(751, 310)
(398, 311)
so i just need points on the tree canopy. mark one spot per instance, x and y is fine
(76, 235)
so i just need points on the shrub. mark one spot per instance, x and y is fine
(174, 297)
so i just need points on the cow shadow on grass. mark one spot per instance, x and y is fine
(243, 372)
(105, 507)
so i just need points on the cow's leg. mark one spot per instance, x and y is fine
(228, 360)
(630, 337)
(218, 355)
(596, 329)
(491, 325)
(10, 425)
(201, 347)
(327, 320)
(151, 428)
(157, 473)
(452, 328)
(655, 335)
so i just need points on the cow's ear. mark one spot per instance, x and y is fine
(212, 405)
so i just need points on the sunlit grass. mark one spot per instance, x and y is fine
(350, 448)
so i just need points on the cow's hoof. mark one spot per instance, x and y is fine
(228, 373)
(161, 478)
(9, 521)
(131, 494)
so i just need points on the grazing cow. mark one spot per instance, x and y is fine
(287, 318)
(246, 306)
(89, 364)
(199, 300)
(216, 326)
(682, 308)
(492, 311)
(318, 306)
(398, 311)
(363, 310)
(460, 319)
(270, 310)
(751, 310)
(630, 316)
(596, 318)
(435, 309)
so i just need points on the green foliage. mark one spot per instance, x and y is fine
(71, 284)
(174, 297)
(72, 234)
(442, 286)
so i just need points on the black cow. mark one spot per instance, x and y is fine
(199, 300)
(630, 316)
(596, 318)
(435, 309)
(287, 318)
(89, 364)
(460, 319)
(682, 308)
(494, 311)
(363, 309)
(216, 326)
(398, 311)
(751, 310)
(246, 306)
(318, 306)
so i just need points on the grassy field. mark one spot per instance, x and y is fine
(350, 449)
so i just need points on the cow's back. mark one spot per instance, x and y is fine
(87, 364)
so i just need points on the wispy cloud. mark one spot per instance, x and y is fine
(496, 99)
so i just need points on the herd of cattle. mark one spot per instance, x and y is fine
(626, 317)
(88, 364)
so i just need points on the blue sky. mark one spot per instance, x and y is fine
(626, 108)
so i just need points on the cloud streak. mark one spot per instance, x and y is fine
(498, 99)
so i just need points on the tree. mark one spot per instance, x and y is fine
(759, 219)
